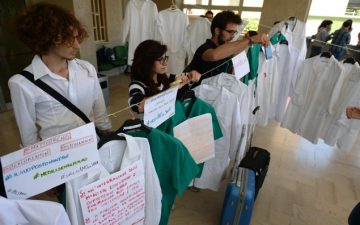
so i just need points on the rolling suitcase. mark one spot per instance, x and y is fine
(239, 199)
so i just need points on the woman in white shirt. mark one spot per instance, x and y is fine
(322, 35)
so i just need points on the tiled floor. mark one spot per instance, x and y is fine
(306, 184)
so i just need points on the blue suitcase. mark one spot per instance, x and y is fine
(239, 199)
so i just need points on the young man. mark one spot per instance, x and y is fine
(54, 35)
(209, 15)
(216, 52)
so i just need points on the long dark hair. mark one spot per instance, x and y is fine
(146, 53)
(325, 23)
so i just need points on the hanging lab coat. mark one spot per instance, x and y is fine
(226, 107)
(309, 75)
(282, 53)
(266, 90)
(32, 212)
(295, 35)
(138, 24)
(335, 108)
(241, 91)
(171, 27)
(341, 130)
(196, 34)
(116, 155)
(317, 109)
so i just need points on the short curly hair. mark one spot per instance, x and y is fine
(44, 25)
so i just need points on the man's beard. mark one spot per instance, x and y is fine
(220, 40)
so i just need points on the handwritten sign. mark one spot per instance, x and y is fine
(241, 65)
(197, 136)
(116, 199)
(49, 163)
(159, 108)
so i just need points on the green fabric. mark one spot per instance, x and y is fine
(173, 164)
(253, 57)
(105, 66)
(119, 62)
(120, 53)
(276, 38)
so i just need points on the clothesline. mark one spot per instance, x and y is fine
(129, 107)
(313, 39)
(261, 25)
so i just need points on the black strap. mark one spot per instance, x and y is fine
(55, 95)
(2, 186)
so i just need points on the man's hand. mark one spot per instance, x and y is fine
(260, 38)
(353, 112)
(194, 76)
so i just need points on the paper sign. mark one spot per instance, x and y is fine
(197, 136)
(241, 65)
(116, 199)
(160, 107)
(49, 163)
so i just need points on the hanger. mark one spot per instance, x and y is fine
(107, 138)
(132, 125)
(284, 42)
(173, 5)
(350, 60)
(291, 19)
(326, 54)
(129, 125)
(185, 93)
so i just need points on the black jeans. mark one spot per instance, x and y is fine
(354, 217)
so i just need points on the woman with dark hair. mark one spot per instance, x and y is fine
(148, 73)
(322, 35)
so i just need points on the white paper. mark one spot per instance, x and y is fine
(241, 65)
(160, 107)
(116, 199)
(197, 136)
(49, 163)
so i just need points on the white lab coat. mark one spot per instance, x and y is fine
(138, 24)
(32, 212)
(295, 35)
(197, 32)
(282, 54)
(227, 110)
(309, 75)
(171, 27)
(341, 130)
(241, 91)
(317, 109)
(266, 90)
(116, 155)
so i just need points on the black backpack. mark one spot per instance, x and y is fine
(104, 55)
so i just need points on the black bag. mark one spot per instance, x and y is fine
(105, 55)
(258, 160)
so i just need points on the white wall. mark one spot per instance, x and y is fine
(328, 7)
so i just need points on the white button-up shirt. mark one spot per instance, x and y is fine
(39, 116)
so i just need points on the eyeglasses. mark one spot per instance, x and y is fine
(232, 32)
(163, 60)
